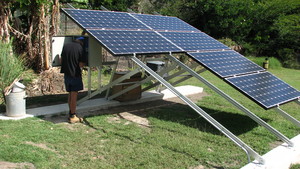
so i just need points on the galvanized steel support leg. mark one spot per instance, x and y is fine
(99, 68)
(112, 76)
(109, 85)
(89, 82)
(139, 83)
(201, 112)
(287, 116)
(298, 101)
(235, 103)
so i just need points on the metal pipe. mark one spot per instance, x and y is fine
(287, 116)
(200, 111)
(235, 103)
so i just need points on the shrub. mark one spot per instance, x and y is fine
(228, 42)
(289, 58)
(11, 67)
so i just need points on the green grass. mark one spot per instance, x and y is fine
(177, 138)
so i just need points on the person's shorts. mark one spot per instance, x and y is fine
(73, 83)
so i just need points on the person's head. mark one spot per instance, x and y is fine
(80, 40)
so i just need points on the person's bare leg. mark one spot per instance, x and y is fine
(72, 105)
(69, 102)
(72, 101)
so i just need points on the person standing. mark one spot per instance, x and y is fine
(72, 60)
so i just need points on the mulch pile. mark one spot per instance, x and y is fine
(49, 82)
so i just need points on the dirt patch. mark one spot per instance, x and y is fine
(198, 167)
(131, 118)
(39, 145)
(141, 121)
(275, 144)
(9, 165)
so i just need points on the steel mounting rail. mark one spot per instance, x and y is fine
(287, 116)
(216, 124)
(235, 103)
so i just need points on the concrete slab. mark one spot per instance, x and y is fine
(4, 117)
(281, 157)
(102, 103)
(185, 90)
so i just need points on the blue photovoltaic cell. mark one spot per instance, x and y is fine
(226, 63)
(158, 22)
(265, 88)
(129, 42)
(190, 41)
(93, 19)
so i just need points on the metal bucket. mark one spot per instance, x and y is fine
(16, 104)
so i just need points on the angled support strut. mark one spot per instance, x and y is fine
(235, 103)
(287, 116)
(201, 112)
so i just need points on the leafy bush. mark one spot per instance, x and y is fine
(289, 58)
(295, 166)
(11, 67)
(228, 42)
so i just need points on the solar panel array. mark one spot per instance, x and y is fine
(93, 19)
(165, 23)
(127, 34)
(128, 42)
(265, 88)
(175, 34)
(226, 63)
(194, 41)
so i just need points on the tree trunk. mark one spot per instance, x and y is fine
(54, 18)
(4, 18)
(44, 38)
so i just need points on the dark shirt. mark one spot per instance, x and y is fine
(71, 55)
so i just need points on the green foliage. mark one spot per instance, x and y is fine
(11, 67)
(262, 28)
(29, 2)
(228, 42)
(295, 166)
(113, 5)
(289, 58)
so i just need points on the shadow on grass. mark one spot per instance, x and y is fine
(182, 114)
(177, 113)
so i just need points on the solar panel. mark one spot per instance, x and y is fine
(164, 23)
(129, 42)
(226, 63)
(265, 88)
(190, 41)
(93, 19)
